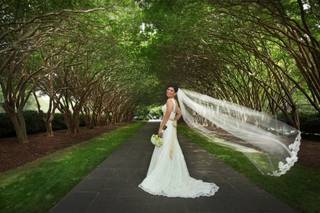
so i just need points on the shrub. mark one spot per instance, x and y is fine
(34, 123)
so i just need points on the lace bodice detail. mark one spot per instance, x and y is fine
(173, 113)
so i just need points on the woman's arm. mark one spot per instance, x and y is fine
(169, 108)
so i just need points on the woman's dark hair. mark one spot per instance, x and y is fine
(174, 86)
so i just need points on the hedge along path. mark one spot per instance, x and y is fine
(38, 185)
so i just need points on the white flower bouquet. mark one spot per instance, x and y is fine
(156, 140)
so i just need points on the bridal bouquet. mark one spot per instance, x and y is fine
(156, 140)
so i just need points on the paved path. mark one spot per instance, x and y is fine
(112, 186)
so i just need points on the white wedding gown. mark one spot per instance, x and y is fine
(168, 174)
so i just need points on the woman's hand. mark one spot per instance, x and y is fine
(160, 132)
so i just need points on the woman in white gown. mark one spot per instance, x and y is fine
(168, 174)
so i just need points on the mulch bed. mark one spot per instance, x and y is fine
(14, 154)
(309, 154)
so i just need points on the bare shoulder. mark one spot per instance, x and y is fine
(169, 102)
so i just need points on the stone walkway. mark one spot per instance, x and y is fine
(113, 185)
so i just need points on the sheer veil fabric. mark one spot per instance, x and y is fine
(271, 145)
(168, 174)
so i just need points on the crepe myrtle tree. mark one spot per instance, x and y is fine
(22, 34)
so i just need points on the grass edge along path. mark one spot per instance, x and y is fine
(299, 187)
(39, 185)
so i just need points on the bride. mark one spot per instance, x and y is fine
(168, 174)
(271, 145)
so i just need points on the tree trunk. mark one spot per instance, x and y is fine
(19, 125)
(67, 121)
(92, 121)
(75, 123)
(295, 117)
(49, 128)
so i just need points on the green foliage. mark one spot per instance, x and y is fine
(30, 8)
(232, 50)
(148, 112)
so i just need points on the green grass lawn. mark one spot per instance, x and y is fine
(299, 187)
(38, 185)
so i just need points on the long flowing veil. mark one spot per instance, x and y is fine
(271, 145)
